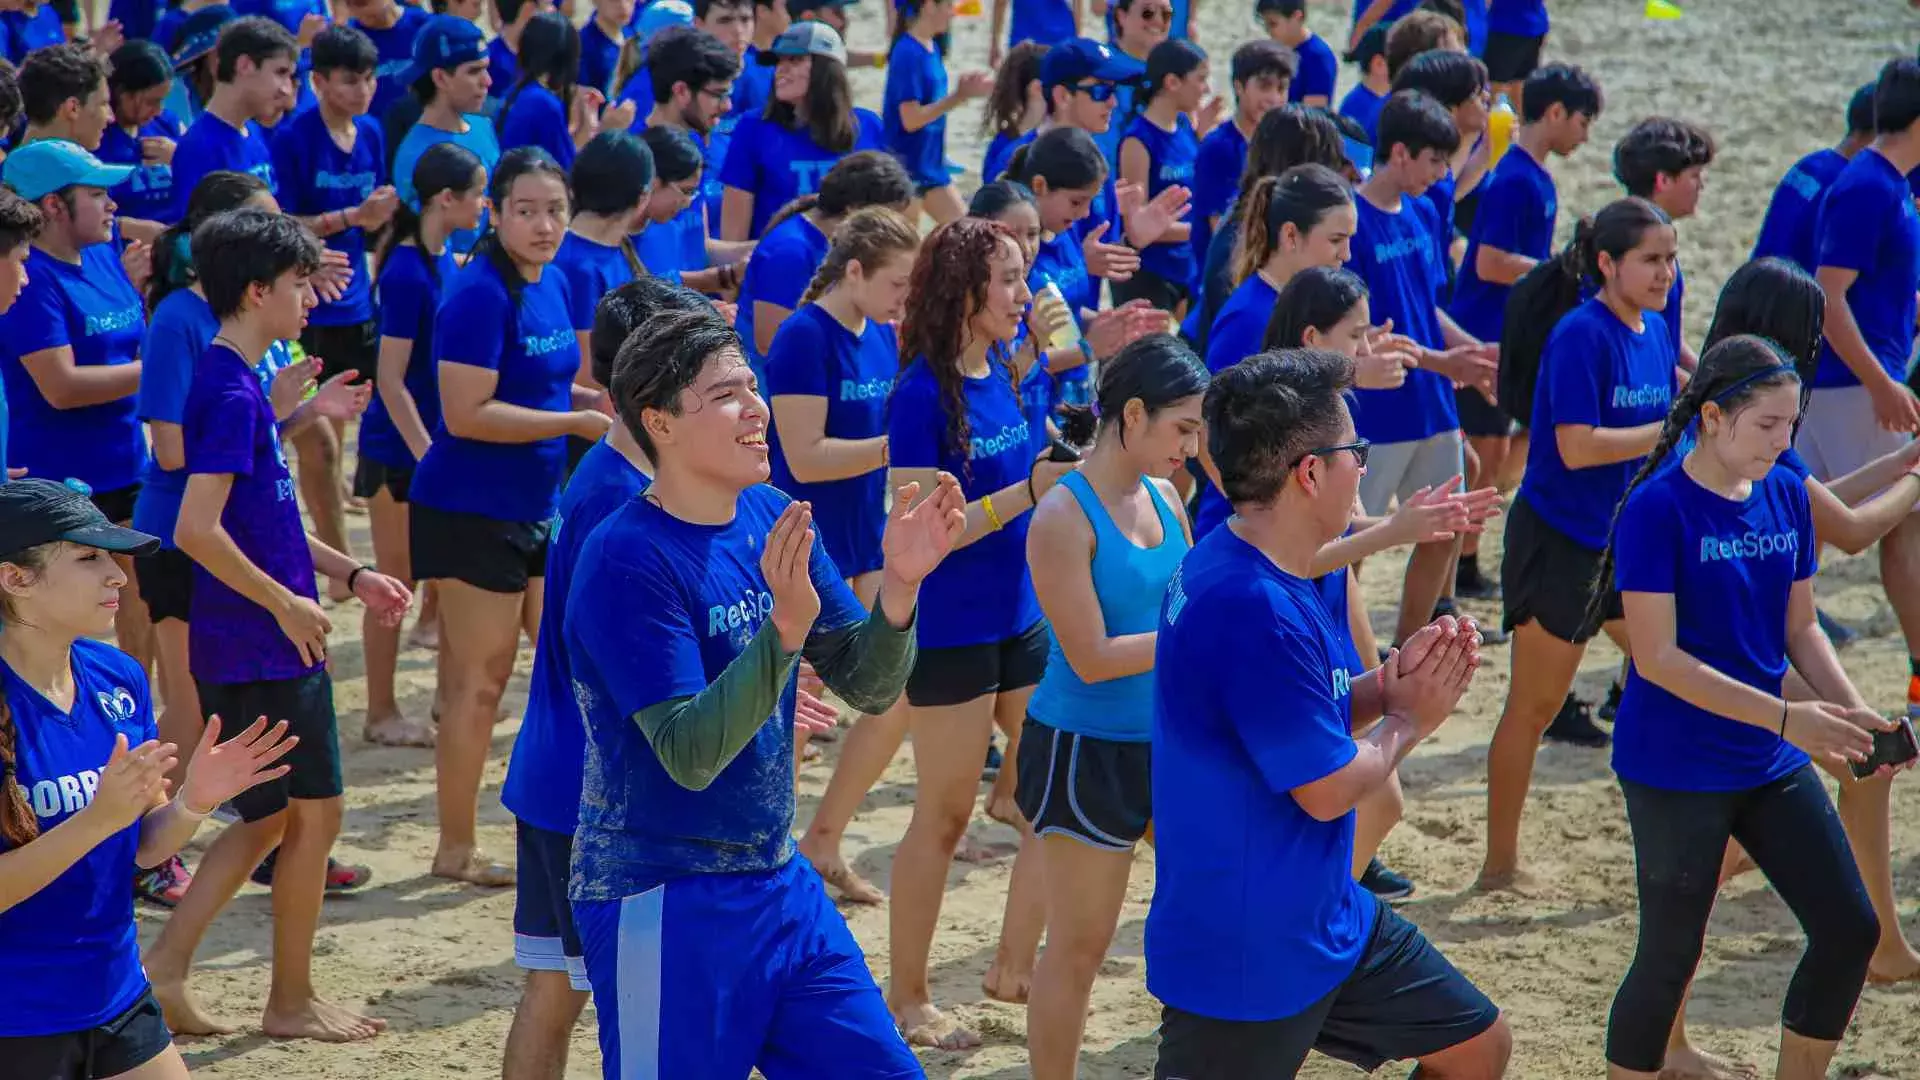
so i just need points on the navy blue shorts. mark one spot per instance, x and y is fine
(1403, 1001)
(122, 1044)
(713, 975)
(543, 935)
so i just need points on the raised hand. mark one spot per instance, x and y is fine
(218, 771)
(976, 84)
(619, 116)
(1425, 690)
(1476, 366)
(920, 532)
(1117, 327)
(377, 209)
(1115, 262)
(1147, 224)
(1429, 515)
(341, 398)
(132, 782)
(290, 386)
(787, 564)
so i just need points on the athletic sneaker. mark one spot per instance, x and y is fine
(341, 877)
(163, 885)
(994, 759)
(1837, 632)
(1388, 885)
(1469, 582)
(1574, 725)
(1611, 706)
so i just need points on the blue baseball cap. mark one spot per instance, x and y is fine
(1084, 58)
(199, 33)
(659, 15)
(808, 38)
(45, 166)
(446, 41)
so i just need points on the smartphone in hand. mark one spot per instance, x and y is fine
(1895, 747)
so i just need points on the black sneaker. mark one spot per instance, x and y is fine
(1574, 725)
(1837, 632)
(1611, 706)
(1388, 885)
(994, 759)
(1468, 582)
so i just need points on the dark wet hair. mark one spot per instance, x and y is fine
(444, 166)
(1774, 299)
(1659, 145)
(1317, 297)
(660, 360)
(516, 163)
(624, 310)
(1158, 370)
(549, 55)
(1559, 84)
(1264, 413)
(238, 249)
(1860, 110)
(1896, 96)
(1287, 136)
(997, 198)
(1066, 158)
(137, 65)
(1416, 120)
(676, 156)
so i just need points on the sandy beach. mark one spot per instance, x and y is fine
(1770, 78)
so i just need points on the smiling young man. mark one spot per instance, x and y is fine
(710, 948)
(253, 88)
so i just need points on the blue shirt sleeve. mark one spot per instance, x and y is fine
(38, 319)
(784, 278)
(1843, 242)
(915, 428)
(292, 177)
(797, 361)
(634, 609)
(1647, 543)
(1504, 212)
(1806, 561)
(406, 303)
(1317, 72)
(166, 371)
(1572, 378)
(1267, 662)
(742, 169)
(472, 326)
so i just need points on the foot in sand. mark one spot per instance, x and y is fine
(976, 852)
(424, 635)
(320, 1020)
(1686, 1063)
(1896, 965)
(1008, 986)
(398, 730)
(183, 1012)
(924, 1025)
(833, 869)
(473, 867)
(1518, 882)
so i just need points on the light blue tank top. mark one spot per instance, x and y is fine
(1130, 582)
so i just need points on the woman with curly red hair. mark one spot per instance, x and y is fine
(983, 644)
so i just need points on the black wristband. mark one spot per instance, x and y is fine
(354, 575)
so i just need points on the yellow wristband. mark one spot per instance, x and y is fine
(993, 519)
(879, 59)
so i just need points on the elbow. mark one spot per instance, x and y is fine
(1322, 806)
(692, 776)
(1849, 540)
(461, 423)
(187, 534)
(804, 468)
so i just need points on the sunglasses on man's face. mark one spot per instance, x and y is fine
(1359, 448)
(1097, 91)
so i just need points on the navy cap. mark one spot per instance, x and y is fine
(446, 41)
(36, 511)
(1079, 59)
(199, 33)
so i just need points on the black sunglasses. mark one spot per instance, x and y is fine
(1359, 448)
(1153, 14)
(1098, 91)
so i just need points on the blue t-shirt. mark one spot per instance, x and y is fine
(750, 93)
(1362, 106)
(1439, 197)
(537, 117)
(592, 270)
(287, 13)
(999, 151)
(210, 145)
(1867, 224)
(138, 18)
(1398, 256)
(410, 285)
(1170, 162)
(915, 72)
(658, 608)
(24, 33)
(70, 950)
(1730, 567)
(177, 336)
(1476, 26)
(543, 777)
(148, 193)
(394, 45)
(1595, 370)
(599, 57)
(1516, 214)
(1049, 22)
(777, 165)
(503, 70)
(983, 592)
(478, 137)
(1256, 914)
(1126, 105)
(778, 271)
(317, 177)
(1522, 18)
(92, 309)
(1217, 166)
(669, 249)
(813, 355)
(1239, 331)
(533, 348)
(1315, 71)
(1787, 230)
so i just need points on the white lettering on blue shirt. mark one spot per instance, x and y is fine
(554, 342)
(987, 446)
(1750, 545)
(68, 794)
(748, 612)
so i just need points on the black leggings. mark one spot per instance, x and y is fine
(1793, 833)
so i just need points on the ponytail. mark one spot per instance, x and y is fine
(1158, 370)
(443, 167)
(869, 237)
(1301, 197)
(18, 823)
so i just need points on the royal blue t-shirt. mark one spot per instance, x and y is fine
(778, 271)
(777, 165)
(543, 776)
(1730, 567)
(599, 57)
(983, 592)
(1049, 22)
(148, 193)
(1523, 18)
(669, 249)
(993, 163)
(750, 93)
(1867, 224)
(1595, 370)
(1439, 197)
(70, 950)
(533, 348)
(24, 33)
(1398, 256)
(177, 336)
(1315, 72)
(1362, 106)
(813, 355)
(318, 177)
(915, 72)
(229, 429)
(287, 13)
(658, 608)
(503, 70)
(1676, 307)
(592, 270)
(1787, 230)
(1217, 166)
(1516, 214)
(395, 48)
(478, 137)
(1170, 157)
(92, 309)
(410, 286)
(138, 18)
(1256, 915)
(210, 145)
(1239, 331)
(537, 117)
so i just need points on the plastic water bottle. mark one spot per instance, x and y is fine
(1067, 334)
(1500, 121)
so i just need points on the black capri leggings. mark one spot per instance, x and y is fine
(1793, 833)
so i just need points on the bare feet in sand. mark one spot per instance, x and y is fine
(398, 730)
(424, 635)
(1686, 1063)
(1897, 965)
(924, 1025)
(472, 867)
(833, 869)
(183, 1012)
(1008, 986)
(977, 852)
(320, 1020)
(1518, 882)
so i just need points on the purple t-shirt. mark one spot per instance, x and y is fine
(229, 428)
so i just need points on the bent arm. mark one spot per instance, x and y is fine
(67, 385)
(697, 737)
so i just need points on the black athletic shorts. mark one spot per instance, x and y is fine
(544, 938)
(352, 347)
(1404, 1000)
(1480, 418)
(960, 673)
(1510, 58)
(1546, 577)
(369, 476)
(166, 583)
(1098, 791)
(1154, 289)
(486, 553)
(306, 704)
(120, 1045)
(117, 504)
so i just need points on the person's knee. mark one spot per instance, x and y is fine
(943, 821)
(550, 1002)
(315, 819)
(1483, 1057)
(1850, 929)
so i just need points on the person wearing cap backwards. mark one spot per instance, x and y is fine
(809, 124)
(70, 346)
(253, 86)
(83, 795)
(449, 78)
(191, 33)
(917, 103)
